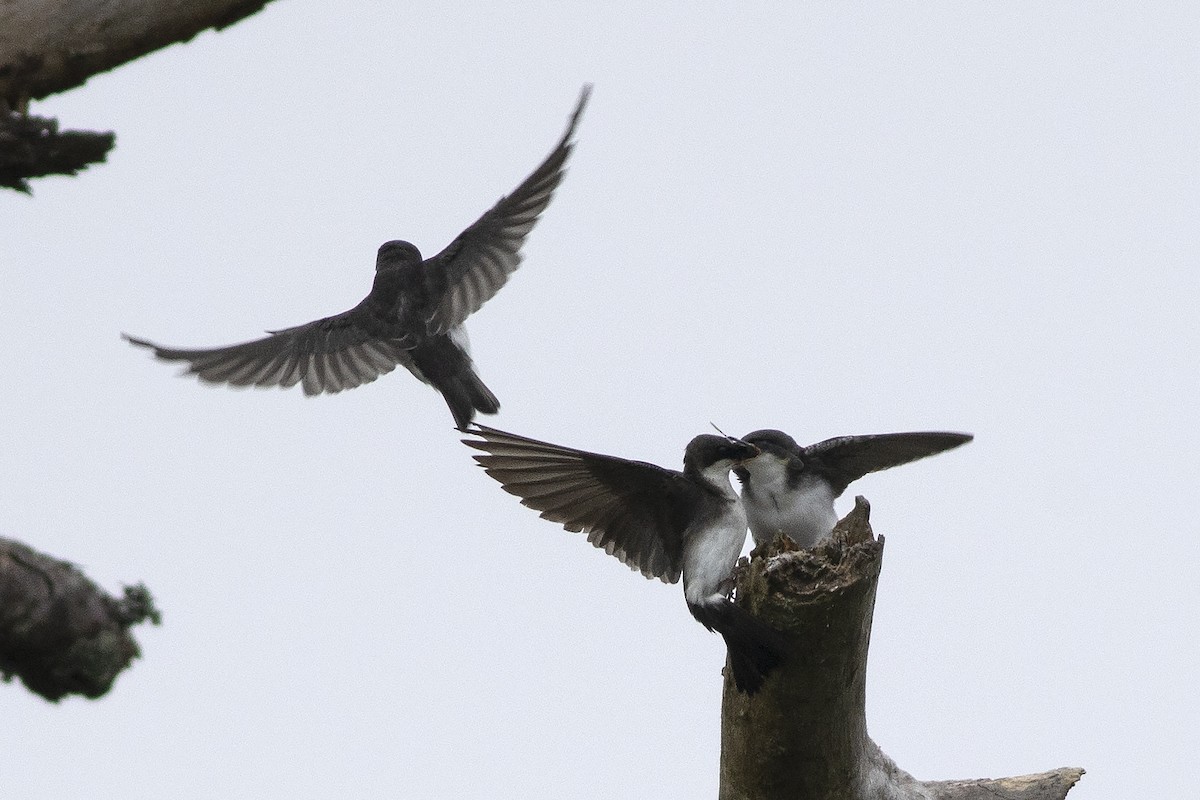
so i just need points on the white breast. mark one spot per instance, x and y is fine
(804, 512)
(710, 553)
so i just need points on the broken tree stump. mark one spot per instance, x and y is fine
(804, 735)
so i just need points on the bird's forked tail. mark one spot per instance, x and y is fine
(755, 648)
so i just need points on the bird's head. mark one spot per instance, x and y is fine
(770, 440)
(776, 450)
(708, 451)
(397, 253)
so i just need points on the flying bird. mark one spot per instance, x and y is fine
(790, 489)
(413, 316)
(660, 522)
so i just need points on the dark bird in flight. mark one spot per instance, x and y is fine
(413, 316)
(660, 522)
(790, 489)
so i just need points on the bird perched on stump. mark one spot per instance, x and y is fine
(413, 316)
(663, 523)
(790, 489)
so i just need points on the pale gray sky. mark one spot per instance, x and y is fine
(976, 217)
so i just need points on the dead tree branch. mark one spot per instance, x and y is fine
(49, 46)
(59, 632)
(804, 736)
(33, 147)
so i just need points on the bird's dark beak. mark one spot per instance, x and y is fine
(743, 451)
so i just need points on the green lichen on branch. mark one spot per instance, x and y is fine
(59, 632)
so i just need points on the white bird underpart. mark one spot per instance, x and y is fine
(712, 546)
(804, 512)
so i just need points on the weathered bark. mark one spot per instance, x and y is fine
(804, 735)
(59, 632)
(49, 46)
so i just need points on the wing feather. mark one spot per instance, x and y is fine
(325, 356)
(632, 510)
(473, 267)
(848, 458)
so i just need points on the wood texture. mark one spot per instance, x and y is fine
(49, 46)
(804, 735)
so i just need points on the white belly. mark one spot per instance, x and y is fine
(710, 555)
(805, 514)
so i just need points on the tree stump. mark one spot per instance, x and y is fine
(804, 735)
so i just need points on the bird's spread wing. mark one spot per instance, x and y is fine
(630, 509)
(848, 458)
(328, 355)
(478, 262)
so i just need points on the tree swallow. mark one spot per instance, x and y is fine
(413, 316)
(660, 522)
(790, 489)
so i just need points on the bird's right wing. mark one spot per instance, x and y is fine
(630, 509)
(478, 262)
(325, 356)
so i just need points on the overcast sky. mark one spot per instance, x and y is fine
(976, 217)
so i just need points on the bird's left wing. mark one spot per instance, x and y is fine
(478, 262)
(630, 509)
(848, 458)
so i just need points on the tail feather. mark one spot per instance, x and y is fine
(755, 648)
(445, 364)
(481, 396)
(460, 405)
(465, 394)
